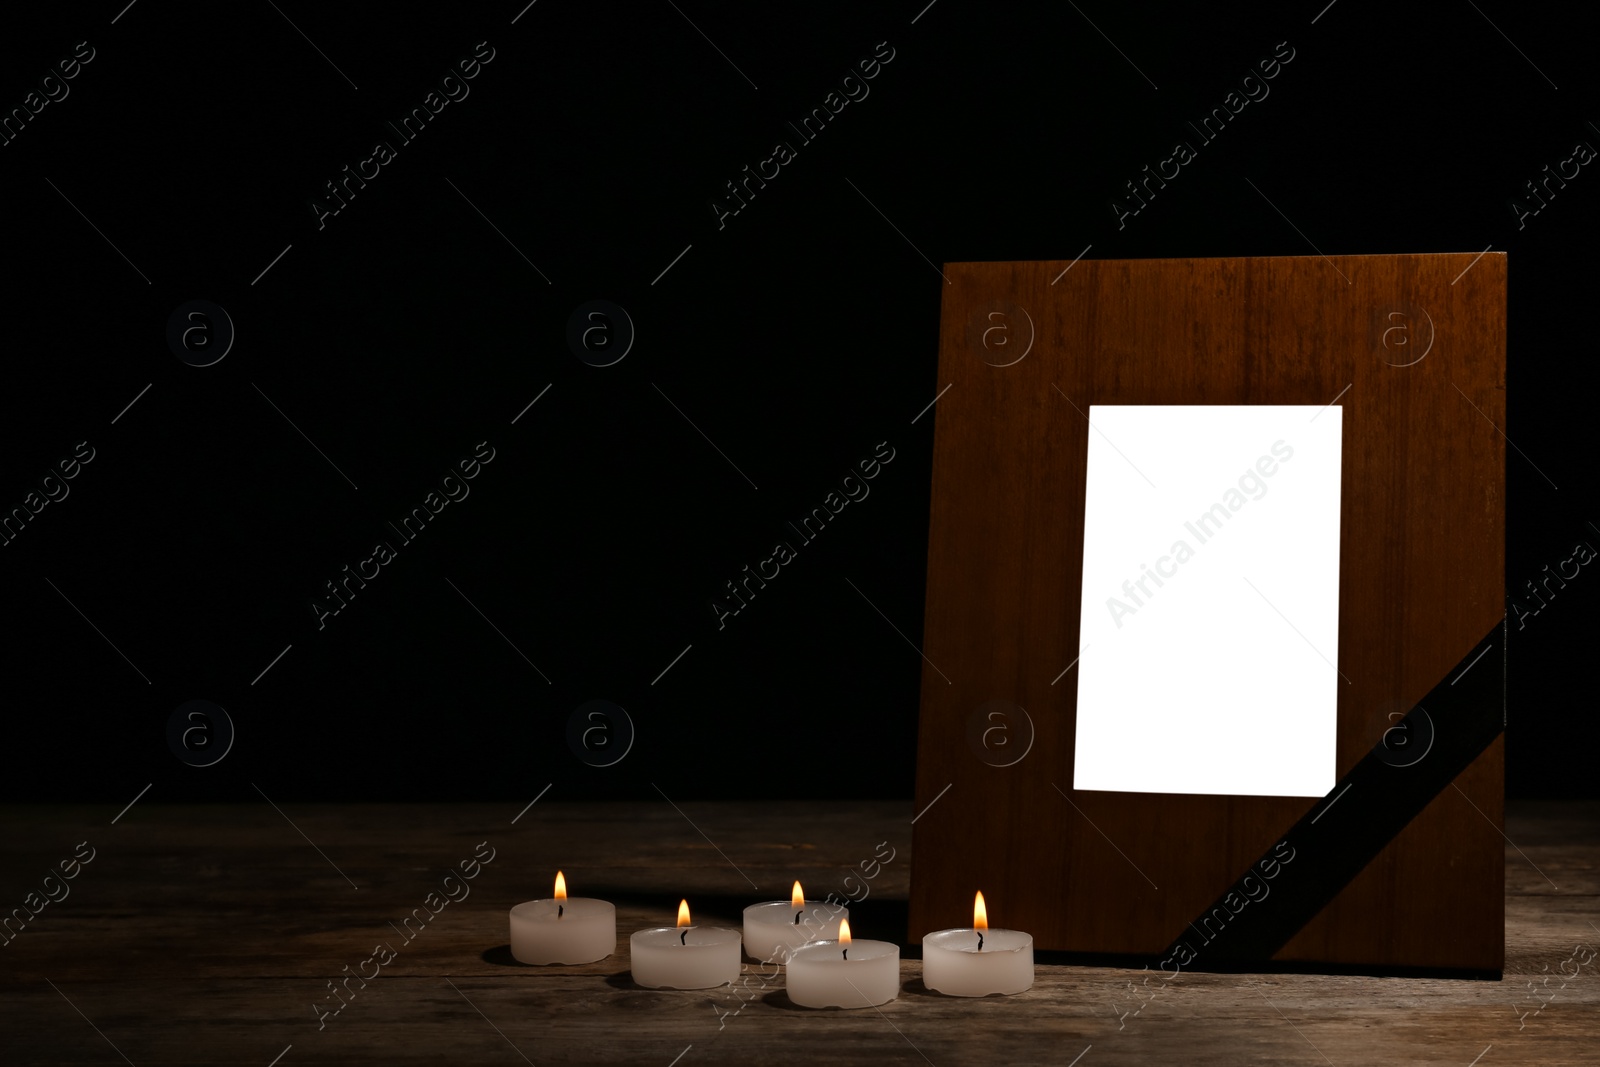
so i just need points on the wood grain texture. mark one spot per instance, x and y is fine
(1421, 582)
(203, 935)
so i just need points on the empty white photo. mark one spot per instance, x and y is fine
(1210, 609)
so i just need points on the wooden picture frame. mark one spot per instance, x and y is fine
(1409, 874)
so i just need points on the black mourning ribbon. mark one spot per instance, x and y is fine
(1414, 762)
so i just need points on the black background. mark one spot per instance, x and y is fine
(796, 338)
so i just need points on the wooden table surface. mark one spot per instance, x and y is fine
(209, 934)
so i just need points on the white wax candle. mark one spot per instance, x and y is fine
(953, 964)
(976, 961)
(685, 956)
(776, 928)
(559, 930)
(845, 973)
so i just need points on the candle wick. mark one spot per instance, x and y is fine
(847, 953)
(980, 940)
(797, 917)
(683, 936)
(560, 910)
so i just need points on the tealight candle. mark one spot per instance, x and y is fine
(977, 961)
(685, 956)
(776, 928)
(844, 973)
(558, 930)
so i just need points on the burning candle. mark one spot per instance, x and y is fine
(977, 961)
(685, 956)
(778, 927)
(558, 930)
(843, 973)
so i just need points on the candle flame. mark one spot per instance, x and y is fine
(980, 914)
(798, 897)
(683, 913)
(844, 933)
(561, 886)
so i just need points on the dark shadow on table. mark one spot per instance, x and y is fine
(917, 988)
(501, 956)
